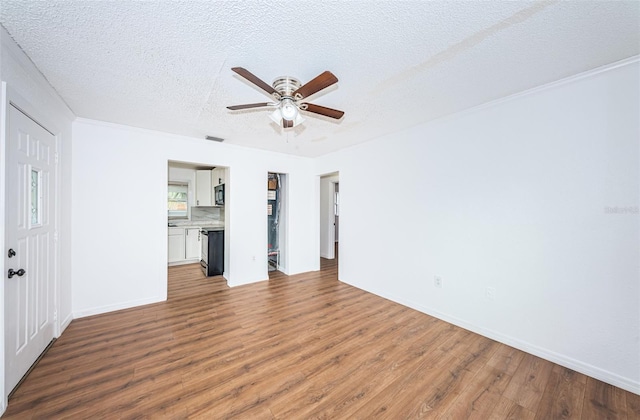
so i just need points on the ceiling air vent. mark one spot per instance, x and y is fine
(218, 139)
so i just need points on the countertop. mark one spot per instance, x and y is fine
(196, 223)
(212, 228)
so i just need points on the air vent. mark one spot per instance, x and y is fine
(218, 139)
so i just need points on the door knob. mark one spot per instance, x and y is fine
(12, 253)
(19, 273)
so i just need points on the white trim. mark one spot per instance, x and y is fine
(28, 115)
(35, 114)
(560, 359)
(551, 85)
(183, 262)
(65, 323)
(245, 283)
(119, 306)
(531, 91)
(3, 134)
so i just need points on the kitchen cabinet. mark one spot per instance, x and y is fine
(184, 244)
(204, 189)
(192, 243)
(176, 244)
(217, 176)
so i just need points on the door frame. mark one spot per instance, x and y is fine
(283, 234)
(327, 218)
(9, 97)
(336, 222)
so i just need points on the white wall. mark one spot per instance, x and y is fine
(515, 196)
(23, 85)
(120, 253)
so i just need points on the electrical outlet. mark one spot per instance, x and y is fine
(437, 282)
(490, 293)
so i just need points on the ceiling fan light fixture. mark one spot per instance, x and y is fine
(289, 110)
(276, 116)
(298, 119)
(288, 92)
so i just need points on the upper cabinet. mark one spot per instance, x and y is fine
(206, 181)
(217, 176)
(204, 189)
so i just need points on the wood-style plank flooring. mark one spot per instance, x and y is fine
(305, 346)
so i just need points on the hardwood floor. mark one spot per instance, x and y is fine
(305, 346)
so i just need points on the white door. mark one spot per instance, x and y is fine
(30, 228)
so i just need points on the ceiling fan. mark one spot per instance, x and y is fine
(289, 94)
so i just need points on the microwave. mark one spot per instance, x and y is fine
(219, 195)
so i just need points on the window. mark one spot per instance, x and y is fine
(36, 198)
(177, 200)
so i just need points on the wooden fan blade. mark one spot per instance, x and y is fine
(247, 106)
(323, 110)
(254, 79)
(320, 82)
(287, 123)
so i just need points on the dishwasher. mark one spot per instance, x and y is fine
(212, 258)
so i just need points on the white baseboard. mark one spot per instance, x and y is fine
(560, 359)
(116, 307)
(183, 262)
(65, 323)
(244, 283)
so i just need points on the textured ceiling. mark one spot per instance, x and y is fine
(166, 65)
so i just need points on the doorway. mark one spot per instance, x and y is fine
(277, 220)
(329, 215)
(30, 236)
(193, 205)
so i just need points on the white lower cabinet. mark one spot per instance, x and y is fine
(176, 244)
(184, 244)
(192, 243)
